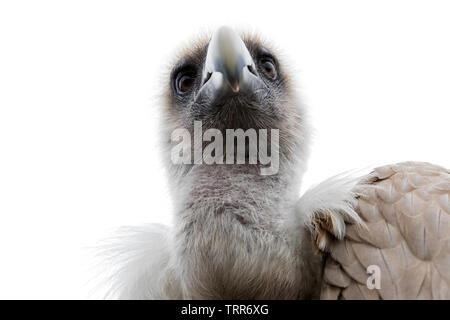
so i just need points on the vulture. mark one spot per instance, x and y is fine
(240, 229)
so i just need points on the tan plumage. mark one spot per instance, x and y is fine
(406, 209)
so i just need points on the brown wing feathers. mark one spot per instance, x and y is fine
(406, 209)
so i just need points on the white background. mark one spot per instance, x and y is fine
(78, 114)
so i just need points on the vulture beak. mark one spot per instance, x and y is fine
(228, 66)
(228, 55)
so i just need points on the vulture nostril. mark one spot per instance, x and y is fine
(208, 76)
(252, 70)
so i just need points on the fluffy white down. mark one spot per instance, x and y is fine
(335, 197)
(135, 262)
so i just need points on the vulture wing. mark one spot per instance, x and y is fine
(406, 209)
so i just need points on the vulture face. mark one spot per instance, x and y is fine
(232, 82)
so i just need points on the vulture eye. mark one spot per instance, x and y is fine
(268, 66)
(184, 81)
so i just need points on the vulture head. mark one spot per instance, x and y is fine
(228, 81)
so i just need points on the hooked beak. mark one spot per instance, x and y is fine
(228, 68)
(228, 65)
(228, 55)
